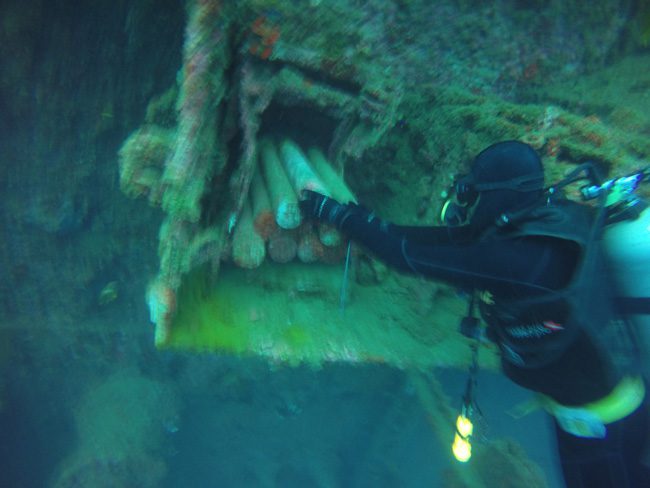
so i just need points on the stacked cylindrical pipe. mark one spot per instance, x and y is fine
(270, 224)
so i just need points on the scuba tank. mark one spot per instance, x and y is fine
(627, 245)
(626, 241)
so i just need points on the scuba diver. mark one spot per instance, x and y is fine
(536, 262)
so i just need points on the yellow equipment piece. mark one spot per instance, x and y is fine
(464, 426)
(461, 447)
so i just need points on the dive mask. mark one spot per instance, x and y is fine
(464, 193)
(461, 199)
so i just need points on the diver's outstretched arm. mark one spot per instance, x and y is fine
(533, 262)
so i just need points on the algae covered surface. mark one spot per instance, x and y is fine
(135, 348)
(296, 314)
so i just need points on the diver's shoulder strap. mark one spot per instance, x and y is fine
(563, 219)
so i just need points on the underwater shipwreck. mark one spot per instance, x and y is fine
(258, 122)
(265, 107)
(375, 102)
(275, 98)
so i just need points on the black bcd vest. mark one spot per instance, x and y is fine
(534, 331)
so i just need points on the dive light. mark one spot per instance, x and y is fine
(462, 448)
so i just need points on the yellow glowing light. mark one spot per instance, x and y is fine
(462, 449)
(464, 426)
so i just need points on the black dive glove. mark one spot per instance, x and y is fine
(316, 206)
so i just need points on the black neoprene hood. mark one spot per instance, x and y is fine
(508, 176)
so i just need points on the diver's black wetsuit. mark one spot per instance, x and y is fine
(445, 253)
(521, 266)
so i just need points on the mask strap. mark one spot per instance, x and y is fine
(522, 183)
